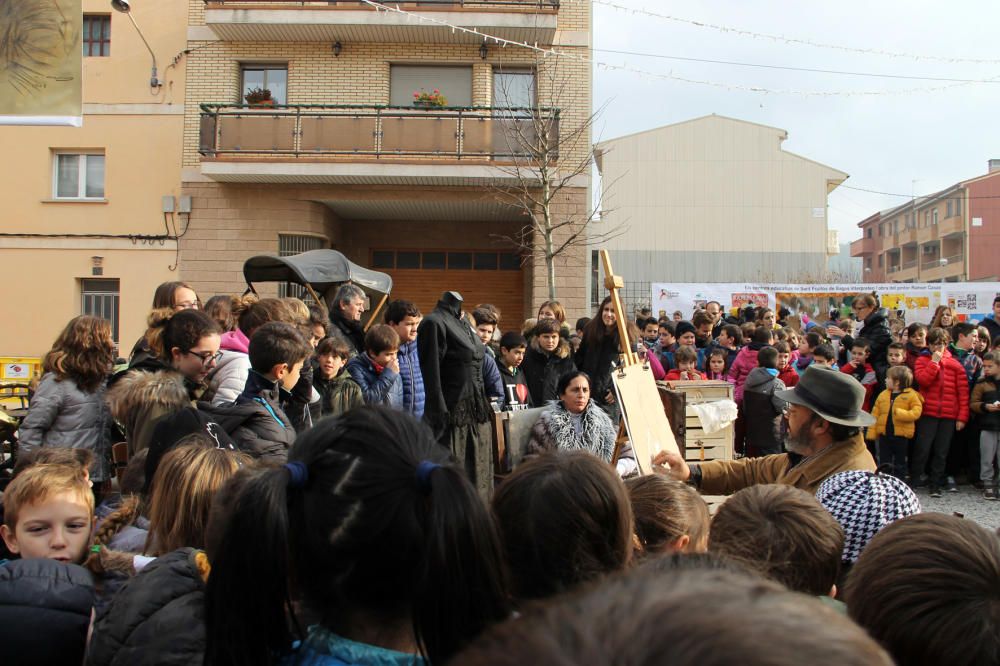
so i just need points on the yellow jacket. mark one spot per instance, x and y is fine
(906, 410)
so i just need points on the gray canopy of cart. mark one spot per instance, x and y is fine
(324, 271)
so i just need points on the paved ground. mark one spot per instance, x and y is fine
(967, 501)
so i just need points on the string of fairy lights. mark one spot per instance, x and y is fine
(577, 56)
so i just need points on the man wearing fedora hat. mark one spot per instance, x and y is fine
(823, 437)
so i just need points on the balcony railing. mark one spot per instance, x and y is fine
(484, 133)
(446, 4)
(909, 264)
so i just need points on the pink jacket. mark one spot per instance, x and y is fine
(745, 361)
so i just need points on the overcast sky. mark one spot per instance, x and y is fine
(884, 142)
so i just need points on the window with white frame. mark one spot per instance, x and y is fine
(934, 216)
(78, 175)
(271, 77)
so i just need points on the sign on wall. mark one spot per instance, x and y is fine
(40, 62)
(915, 302)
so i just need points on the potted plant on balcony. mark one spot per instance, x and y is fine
(429, 100)
(259, 97)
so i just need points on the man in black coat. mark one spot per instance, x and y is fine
(345, 316)
(451, 361)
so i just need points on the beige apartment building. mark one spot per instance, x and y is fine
(714, 199)
(950, 236)
(343, 157)
(83, 225)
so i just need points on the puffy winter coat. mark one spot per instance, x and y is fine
(745, 362)
(492, 382)
(383, 387)
(62, 415)
(158, 617)
(231, 370)
(944, 387)
(907, 408)
(256, 421)
(543, 369)
(45, 609)
(413, 378)
(337, 395)
(763, 412)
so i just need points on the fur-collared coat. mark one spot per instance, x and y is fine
(555, 430)
(543, 369)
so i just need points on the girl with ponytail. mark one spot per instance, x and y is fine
(376, 532)
(184, 341)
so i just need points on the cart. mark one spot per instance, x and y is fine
(321, 272)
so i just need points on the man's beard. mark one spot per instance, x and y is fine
(796, 443)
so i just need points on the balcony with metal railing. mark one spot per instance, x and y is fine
(347, 21)
(328, 143)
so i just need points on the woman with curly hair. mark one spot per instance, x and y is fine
(68, 407)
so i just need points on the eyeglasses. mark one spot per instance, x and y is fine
(206, 357)
(187, 305)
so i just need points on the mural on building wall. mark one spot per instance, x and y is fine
(40, 62)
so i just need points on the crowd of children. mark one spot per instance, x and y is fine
(260, 483)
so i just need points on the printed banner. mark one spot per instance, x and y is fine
(910, 302)
(41, 60)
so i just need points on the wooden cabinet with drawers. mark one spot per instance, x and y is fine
(697, 445)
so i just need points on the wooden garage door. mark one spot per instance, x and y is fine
(481, 276)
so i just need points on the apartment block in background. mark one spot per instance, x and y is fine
(950, 236)
(344, 156)
(714, 199)
(84, 222)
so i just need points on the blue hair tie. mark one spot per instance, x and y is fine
(424, 470)
(298, 474)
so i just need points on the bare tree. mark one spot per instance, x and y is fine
(549, 154)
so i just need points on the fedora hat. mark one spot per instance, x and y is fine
(835, 396)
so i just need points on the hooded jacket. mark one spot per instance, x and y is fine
(745, 362)
(451, 359)
(256, 421)
(62, 415)
(231, 370)
(763, 412)
(139, 399)
(337, 395)
(944, 387)
(158, 617)
(45, 609)
(990, 323)
(543, 369)
(379, 386)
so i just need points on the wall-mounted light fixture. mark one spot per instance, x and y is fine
(337, 48)
(126, 9)
(483, 51)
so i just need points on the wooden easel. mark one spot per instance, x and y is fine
(613, 283)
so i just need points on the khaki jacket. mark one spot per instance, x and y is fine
(722, 477)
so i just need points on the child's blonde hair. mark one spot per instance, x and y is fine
(185, 484)
(40, 482)
(901, 375)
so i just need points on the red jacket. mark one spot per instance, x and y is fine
(866, 376)
(788, 376)
(944, 387)
(675, 376)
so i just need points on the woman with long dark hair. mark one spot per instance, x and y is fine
(381, 537)
(599, 351)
